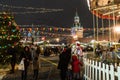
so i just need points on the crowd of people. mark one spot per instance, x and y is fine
(30, 55)
(69, 63)
(105, 52)
(70, 59)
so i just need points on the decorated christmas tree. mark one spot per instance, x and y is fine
(9, 33)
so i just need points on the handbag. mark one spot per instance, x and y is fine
(21, 65)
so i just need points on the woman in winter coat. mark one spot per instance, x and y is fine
(76, 66)
(26, 56)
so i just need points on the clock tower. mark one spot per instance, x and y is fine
(77, 29)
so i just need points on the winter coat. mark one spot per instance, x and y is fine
(63, 60)
(36, 64)
(12, 52)
(27, 57)
(76, 64)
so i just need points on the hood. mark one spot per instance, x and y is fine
(74, 58)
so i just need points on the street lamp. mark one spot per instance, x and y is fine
(57, 39)
(117, 30)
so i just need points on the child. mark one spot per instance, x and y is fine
(36, 68)
(69, 72)
(76, 65)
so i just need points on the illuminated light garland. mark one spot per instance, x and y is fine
(50, 30)
(33, 8)
(61, 29)
(52, 34)
(29, 12)
(36, 10)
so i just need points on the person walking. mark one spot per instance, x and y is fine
(26, 56)
(63, 64)
(76, 66)
(12, 52)
(79, 51)
(36, 63)
(32, 51)
(35, 68)
(98, 50)
(69, 72)
(37, 50)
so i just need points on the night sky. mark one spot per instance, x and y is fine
(64, 18)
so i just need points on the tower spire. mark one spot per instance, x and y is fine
(76, 14)
(76, 19)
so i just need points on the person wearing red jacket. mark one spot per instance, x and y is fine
(76, 66)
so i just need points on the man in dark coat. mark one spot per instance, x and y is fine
(63, 63)
(12, 52)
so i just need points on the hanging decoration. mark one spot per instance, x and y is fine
(54, 29)
(30, 10)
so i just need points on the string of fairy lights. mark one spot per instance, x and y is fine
(28, 8)
(32, 10)
(52, 28)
